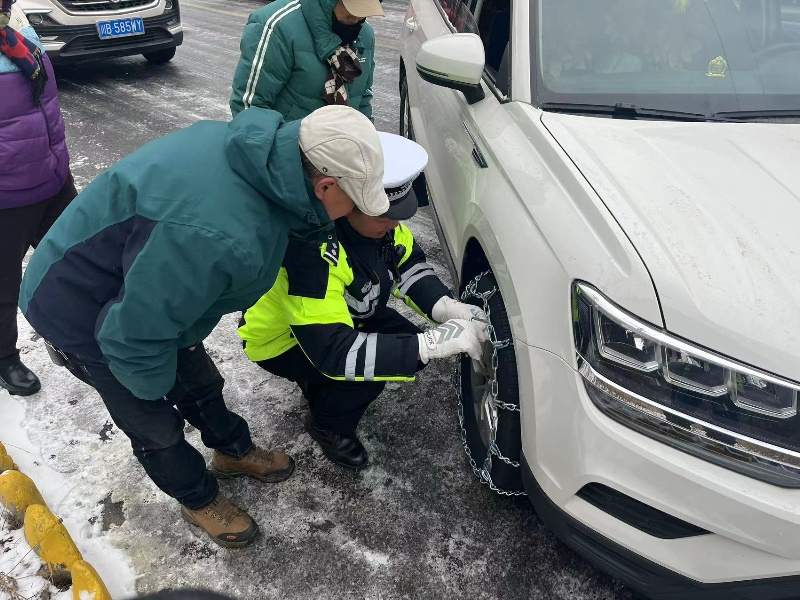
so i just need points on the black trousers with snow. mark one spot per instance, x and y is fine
(155, 427)
(21, 228)
(337, 405)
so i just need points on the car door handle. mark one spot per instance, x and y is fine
(477, 155)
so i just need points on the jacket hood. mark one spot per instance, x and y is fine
(319, 18)
(712, 208)
(265, 152)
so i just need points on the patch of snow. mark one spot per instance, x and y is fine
(375, 559)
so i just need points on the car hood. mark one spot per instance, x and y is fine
(714, 211)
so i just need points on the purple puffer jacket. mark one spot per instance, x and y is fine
(34, 162)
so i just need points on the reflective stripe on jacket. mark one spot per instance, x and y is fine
(324, 291)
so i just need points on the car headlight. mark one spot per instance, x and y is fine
(684, 395)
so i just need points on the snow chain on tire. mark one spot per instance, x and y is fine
(484, 471)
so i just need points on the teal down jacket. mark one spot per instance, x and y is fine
(149, 257)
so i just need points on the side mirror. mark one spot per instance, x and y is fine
(454, 61)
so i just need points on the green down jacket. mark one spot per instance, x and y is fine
(147, 259)
(285, 47)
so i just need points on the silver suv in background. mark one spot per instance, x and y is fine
(73, 30)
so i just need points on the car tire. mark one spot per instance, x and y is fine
(160, 57)
(475, 413)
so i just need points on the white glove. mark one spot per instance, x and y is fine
(453, 337)
(446, 308)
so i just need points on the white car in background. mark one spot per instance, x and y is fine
(626, 175)
(74, 30)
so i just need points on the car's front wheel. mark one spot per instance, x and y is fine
(489, 410)
(160, 57)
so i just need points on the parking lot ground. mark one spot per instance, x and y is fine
(415, 524)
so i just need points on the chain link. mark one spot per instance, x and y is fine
(494, 449)
(484, 471)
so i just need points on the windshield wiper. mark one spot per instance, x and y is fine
(631, 111)
(747, 115)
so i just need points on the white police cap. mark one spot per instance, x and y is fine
(405, 160)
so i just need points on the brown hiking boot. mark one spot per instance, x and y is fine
(224, 522)
(265, 465)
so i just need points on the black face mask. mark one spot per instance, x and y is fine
(348, 33)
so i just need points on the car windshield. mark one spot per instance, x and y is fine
(707, 57)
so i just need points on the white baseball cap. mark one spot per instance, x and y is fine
(363, 8)
(342, 143)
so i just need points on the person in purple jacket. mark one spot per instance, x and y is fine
(35, 180)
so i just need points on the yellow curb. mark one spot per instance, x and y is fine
(18, 492)
(46, 533)
(86, 580)
(7, 463)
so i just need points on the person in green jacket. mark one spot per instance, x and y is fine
(299, 55)
(146, 260)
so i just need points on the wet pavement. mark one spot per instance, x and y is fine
(416, 524)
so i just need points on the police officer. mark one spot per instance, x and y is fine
(326, 325)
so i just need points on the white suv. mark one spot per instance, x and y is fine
(73, 30)
(618, 181)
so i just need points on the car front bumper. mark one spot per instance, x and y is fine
(749, 546)
(69, 43)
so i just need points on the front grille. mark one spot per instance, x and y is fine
(638, 514)
(95, 43)
(84, 6)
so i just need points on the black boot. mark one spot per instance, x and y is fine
(18, 379)
(344, 450)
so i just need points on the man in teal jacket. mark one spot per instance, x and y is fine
(293, 49)
(146, 260)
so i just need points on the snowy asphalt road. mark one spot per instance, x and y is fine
(414, 525)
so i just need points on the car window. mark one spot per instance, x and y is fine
(700, 56)
(460, 15)
(494, 27)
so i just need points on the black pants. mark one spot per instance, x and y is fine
(337, 405)
(21, 228)
(155, 427)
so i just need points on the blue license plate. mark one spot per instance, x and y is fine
(120, 28)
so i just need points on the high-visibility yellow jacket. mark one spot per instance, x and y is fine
(323, 291)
